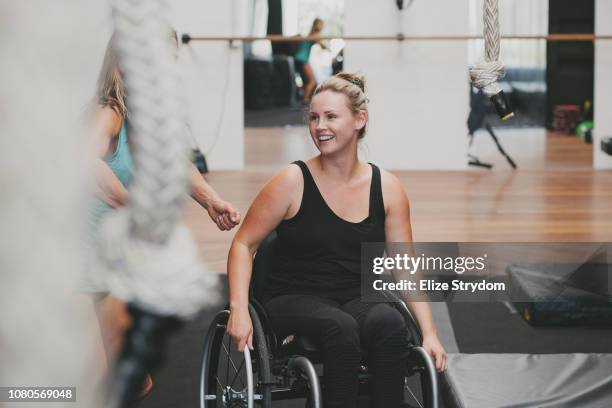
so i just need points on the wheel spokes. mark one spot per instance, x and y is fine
(228, 358)
(234, 366)
(236, 375)
(234, 393)
(235, 388)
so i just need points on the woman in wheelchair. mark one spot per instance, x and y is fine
(322, 210)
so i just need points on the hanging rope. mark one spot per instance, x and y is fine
(488, 71)
(151, 81)
(150, 259)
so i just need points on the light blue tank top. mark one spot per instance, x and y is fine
(120, 162)
(303, 52)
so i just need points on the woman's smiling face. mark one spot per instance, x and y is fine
(332, 124)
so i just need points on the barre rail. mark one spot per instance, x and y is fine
(186, 38)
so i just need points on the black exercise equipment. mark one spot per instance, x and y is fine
(198, 159)
(269, 83)
(258, 80)
(476, 120)
(606, 146)
(562, 294)
(142, 353)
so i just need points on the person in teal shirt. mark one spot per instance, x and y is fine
(302, 57)
(113, 172)
(112, 148)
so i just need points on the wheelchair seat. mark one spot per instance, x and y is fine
(300, 345)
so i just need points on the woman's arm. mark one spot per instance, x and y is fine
(220, 211)
(271, 206)
(104, 132)
(399, 229)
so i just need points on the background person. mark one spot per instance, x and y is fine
(302, 57)
(112, 148)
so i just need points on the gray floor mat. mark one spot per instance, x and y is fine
(529, 380)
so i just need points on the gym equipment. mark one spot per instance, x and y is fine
(476, 120)
(269, 82)
(199, 160)
(550, 294)
(258, 80)
(150, 259)
(486, 73)
(283, 369)
(584, 130)
(606, 145)
(187, 38)
(565, 118)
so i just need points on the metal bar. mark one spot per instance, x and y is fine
(186, 38)
(249, 373)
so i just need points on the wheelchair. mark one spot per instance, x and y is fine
(284, 369)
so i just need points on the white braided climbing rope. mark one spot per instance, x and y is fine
(150, 259)
(156, 122)
(489, 70)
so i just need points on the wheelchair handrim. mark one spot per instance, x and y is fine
(236, 387)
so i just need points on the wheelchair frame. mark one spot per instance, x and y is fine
(282, 373)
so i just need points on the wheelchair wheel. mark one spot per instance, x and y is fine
(228, 378)
(428, 395)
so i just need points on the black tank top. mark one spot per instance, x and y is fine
(319, 253)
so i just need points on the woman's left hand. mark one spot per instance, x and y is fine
(223, 214)
(432, 345)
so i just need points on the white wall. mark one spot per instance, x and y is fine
(603, 84)
(419, 91)
(290, 17)
(214, 77)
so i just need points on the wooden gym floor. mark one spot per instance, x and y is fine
(554, 196)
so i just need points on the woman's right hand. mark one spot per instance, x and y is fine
(240, 328)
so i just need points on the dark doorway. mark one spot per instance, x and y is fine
(570, 65)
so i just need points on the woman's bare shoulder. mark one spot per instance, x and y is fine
(288, 176)
(275, 200)
(284, 185)
(393, 190)
(390, 181)
(107, 119)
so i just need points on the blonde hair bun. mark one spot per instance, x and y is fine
(354, 78)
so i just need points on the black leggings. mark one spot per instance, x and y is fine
(348, 333)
